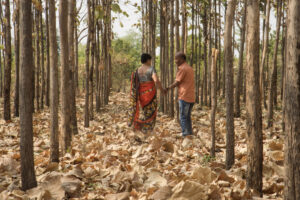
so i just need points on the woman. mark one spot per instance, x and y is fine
(143, 102)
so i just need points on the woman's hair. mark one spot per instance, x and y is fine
(145, 57)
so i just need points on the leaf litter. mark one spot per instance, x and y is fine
(109, 161)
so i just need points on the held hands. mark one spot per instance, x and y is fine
(165, 91)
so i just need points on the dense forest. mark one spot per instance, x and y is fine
(64, 96)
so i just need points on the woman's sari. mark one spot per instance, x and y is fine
(143, 104)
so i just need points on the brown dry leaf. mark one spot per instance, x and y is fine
(202, 175)
(274, 146)
(189, 190)
(162, 193)
(155, 180)
(224, 177)
(120, 196)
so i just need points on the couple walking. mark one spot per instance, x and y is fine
(143, 94)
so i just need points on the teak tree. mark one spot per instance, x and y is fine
(26, 96)
(253, 101)
(292, 103)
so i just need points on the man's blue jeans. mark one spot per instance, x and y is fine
(185, 110)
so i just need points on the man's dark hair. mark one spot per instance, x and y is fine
(145, 57)
(181, 55)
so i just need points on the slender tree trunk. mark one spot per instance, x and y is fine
(292, 103)
(162, 51)
(253, 102)
(273, 83)
(26, 99)
(214, 100)
(47, 97)
(172, 58)
(8, 61)
(229, 84)
(87, 73)
(239, 80)
(205, 58)
(91, 77)
(283, 48)
(54, 88)
(265, 52)
(183, 7)
(38, 66)
(71, 28)
(17, 59)
(1, 51)
(65, 76)
(42, 60)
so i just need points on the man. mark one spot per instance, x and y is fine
(186, 92)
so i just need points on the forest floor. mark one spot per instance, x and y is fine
(109, 161)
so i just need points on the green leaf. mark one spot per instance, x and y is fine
(116, 8)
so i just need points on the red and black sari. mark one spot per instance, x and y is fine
(143, 104)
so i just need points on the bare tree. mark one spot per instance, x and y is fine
(26, 97)
(54, 141)
(253, 101)
(65, 76)
(8, 60)
(292, 103)
(229, 84)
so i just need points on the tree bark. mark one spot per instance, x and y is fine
(172, 58)
(43, 82)
(229, 84)
(214, 100)
(65, 76)
(265, 52)
(239, 80)
(54, 88)
(7, 66)
(273, 83)
(87, 63)
(26, 97)
(17, 59)
(47, 97)
(292, 103)
(183, 14)
(37, 59)
(253, 101)
(71, 22)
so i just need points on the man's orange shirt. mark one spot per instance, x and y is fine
(186, 87)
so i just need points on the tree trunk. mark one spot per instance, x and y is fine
(265, 52)
(273, 83)
(71, 22)
(283, 48)
(1, 51)
(87, 63)
(65, 76)
(183, 4)
(54, 88)
(7, 67)
(42, 60)
(17, 59)
(47, 97)
(239, 80)
(204, 84)
(37, 57)
(91, 75)
(253, 101)
(229, 84)
(292, 103)
(214, 100)
(172, 58)
(26, 99)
